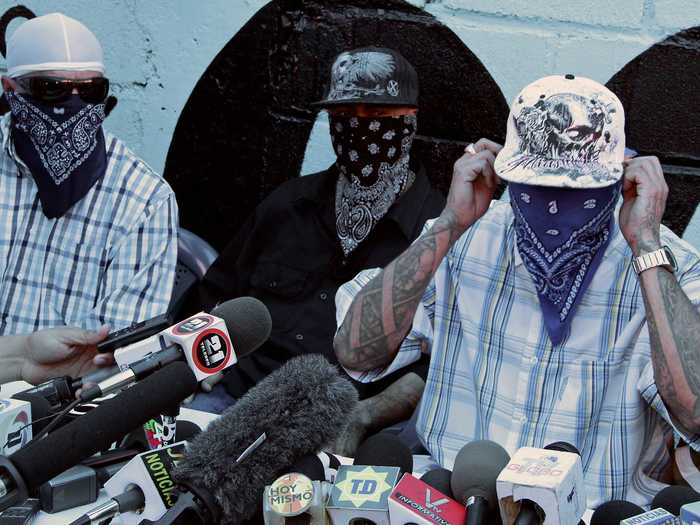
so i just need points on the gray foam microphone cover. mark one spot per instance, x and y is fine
(476, 468)
(248, 323)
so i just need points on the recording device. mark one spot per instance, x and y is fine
(142, 489)
(135, 332)
(294, 411)
(439, 478)
(362, 490)
(20, 514)
(613, 512)
(415, 502)
(673, 498)
(209, 343)
(298, 497)
(474, 475)
(542, 486)
(27, 469)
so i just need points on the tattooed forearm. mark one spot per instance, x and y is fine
(674, 329)
(381, 314)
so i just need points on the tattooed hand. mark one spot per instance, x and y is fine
(473, 183)
(644, 191)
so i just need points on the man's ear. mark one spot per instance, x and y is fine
(8, 84)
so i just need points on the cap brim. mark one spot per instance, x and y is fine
(348, 101)
(557, 173)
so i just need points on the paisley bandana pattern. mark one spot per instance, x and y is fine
(62, 145)
(561, 235)
(373, 159)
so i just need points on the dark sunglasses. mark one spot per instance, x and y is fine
(51, 89)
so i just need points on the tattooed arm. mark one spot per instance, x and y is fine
(673, 321)
(381, 314)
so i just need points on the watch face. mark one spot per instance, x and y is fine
(671, 258)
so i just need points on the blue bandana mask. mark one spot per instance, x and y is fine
(63, 146)
(561, 235)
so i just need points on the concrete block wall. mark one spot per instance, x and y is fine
(156, 52)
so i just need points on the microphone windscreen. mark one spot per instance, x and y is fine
(439, 478)
(248, 323)
(613, 512)
(476, 469)
(384, 450)
(563, 446)
(673, 498)
(65, 447)
(301, 406)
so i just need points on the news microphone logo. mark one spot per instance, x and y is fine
(290, 495)
(543, 465)
(159, 465)
(652, 517)
(193, 324)
(363, 485)
(414, 501)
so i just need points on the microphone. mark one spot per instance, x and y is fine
(362, 490)
(15, 418)
(652, 517)
(27, 469)
(209, 343)
(299, 496)
(673, 498)
(385, 450)
(613, 512)
(439, 478)
(546, 483)
(415, 502)
(294, 411)
(142, 489)
(473, 482)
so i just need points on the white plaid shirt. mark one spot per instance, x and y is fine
(109, 259)
(495, 375)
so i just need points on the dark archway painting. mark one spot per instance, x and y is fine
(245, 128)
(660, 90)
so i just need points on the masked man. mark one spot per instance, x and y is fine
(89, 231)
(561, 316)
(315, 232)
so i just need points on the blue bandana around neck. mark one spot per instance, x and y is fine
(63, 146)
(561, 234)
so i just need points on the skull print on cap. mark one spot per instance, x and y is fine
(564, 131)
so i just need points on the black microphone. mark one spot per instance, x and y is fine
(673, 498)
(614, 511)
(385, 450)
(531, 513)
(209, 344)
(294, 411)
(474, 475)
(439, 478)
(28, 468)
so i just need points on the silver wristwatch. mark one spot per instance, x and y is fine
(661, 257)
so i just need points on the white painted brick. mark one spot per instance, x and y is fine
(596, 58)
(677, 13)
(625, 13)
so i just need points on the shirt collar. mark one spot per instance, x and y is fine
(9, 146)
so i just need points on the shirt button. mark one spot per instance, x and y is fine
(344, 262)
(523, 419)
(323, 296)
(273, 284)
(533, 360)
(299, 337)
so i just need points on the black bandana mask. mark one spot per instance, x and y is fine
(373, 159)
(62, 145)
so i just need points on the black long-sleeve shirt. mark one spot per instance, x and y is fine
(288, 255)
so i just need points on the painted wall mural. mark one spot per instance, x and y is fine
(248, 119)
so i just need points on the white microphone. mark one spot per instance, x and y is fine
(208, 342)
(15, 425)
(542, 486)
(141, 489)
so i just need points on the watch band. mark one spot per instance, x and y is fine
(658, 257)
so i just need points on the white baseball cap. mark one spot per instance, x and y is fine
(53, 42)
(564, 131)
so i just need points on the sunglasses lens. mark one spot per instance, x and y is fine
(49, 89)
(95, 90)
